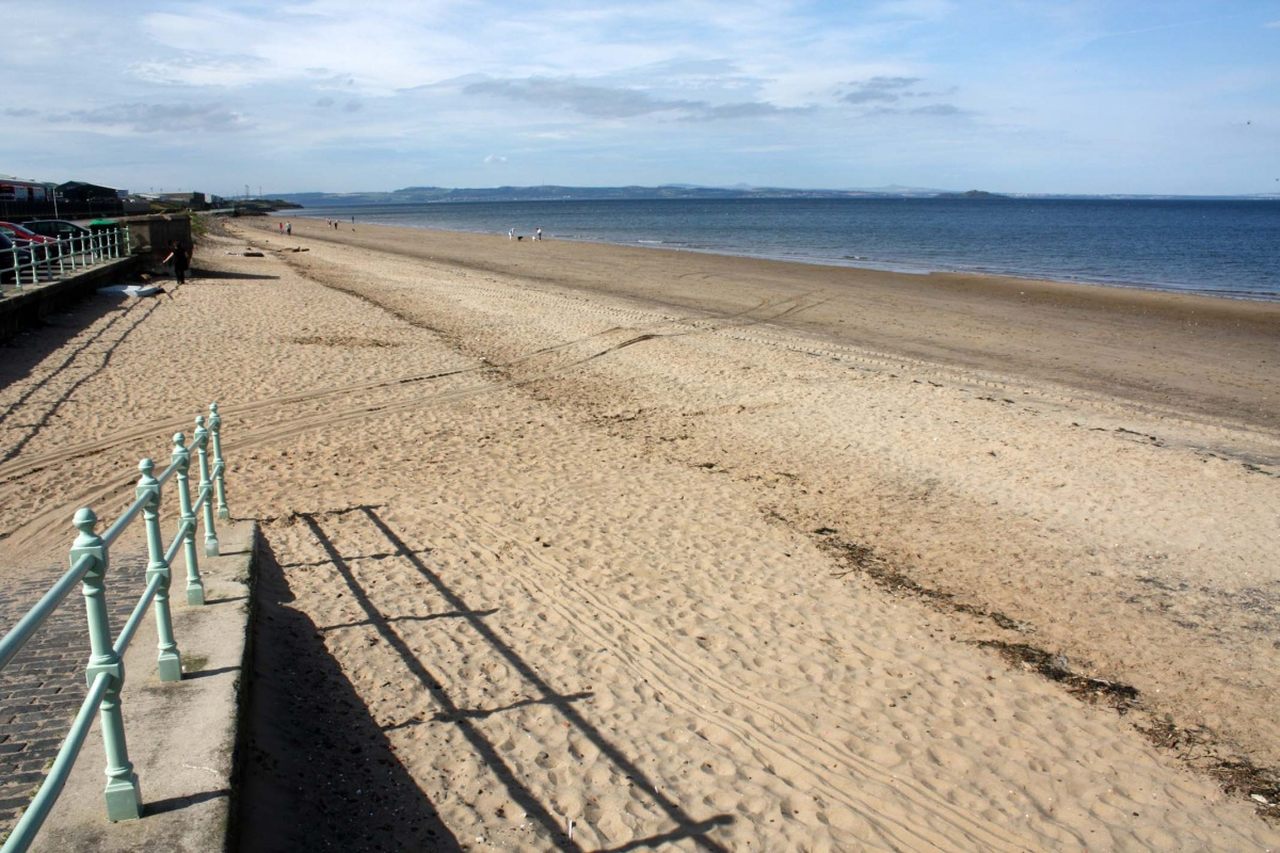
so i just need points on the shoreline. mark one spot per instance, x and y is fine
(898, 267)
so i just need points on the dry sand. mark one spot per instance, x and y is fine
(716, 552)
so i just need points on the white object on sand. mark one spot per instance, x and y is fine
(132, 289)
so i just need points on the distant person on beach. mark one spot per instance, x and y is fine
(288, 228)
(537, 235)
(511, 233)
(281, 224)
(181, 258)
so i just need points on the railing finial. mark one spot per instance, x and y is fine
(85, 520)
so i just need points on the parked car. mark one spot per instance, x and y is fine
(21, 232)
(9, 251)
(58, 228)
(24, 238)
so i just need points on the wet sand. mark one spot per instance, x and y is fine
(722, 552)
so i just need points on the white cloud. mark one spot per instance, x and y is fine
(415, 91)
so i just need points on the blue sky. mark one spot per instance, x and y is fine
(1074, 96)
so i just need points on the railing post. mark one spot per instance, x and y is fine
(219, 467)
(169, 662)
(201, 444)
(182, 462)
(123, 795)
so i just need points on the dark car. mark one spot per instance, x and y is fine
(56, 228)
(9, 253)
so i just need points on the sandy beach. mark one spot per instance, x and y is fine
(573, 546)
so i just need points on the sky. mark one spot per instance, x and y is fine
(1021, 96)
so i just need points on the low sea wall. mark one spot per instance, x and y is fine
(24, 310)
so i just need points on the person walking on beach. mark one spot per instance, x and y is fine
(181, 258)
(537, 235)
(281, 224)
(288, 228)
(511, 233)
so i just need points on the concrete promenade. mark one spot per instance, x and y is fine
(181, 736)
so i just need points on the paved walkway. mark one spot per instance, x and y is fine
(42, 688)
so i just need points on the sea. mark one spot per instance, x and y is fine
(1225, 248)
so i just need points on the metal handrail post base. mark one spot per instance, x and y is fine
(123, 793)
(168, 661)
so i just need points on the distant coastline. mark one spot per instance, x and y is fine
(440, 195)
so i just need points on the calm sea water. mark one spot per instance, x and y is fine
(1223, 248)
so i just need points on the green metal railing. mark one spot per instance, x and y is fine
(105, 672)
(51, 261)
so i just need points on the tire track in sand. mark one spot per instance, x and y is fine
(604, 343)
(656, 661)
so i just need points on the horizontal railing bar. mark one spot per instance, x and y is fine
(24, 832)
(168, 472)
(30, 623)
(183, 527)
(135, 618)
(113, 532)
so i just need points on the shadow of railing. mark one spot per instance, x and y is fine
(686, 827)
(50, 409)
(301, 788)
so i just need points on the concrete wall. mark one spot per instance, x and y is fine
(151, 235)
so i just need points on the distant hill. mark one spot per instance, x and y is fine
(553, 192)
(972, 194)
(425, 195)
